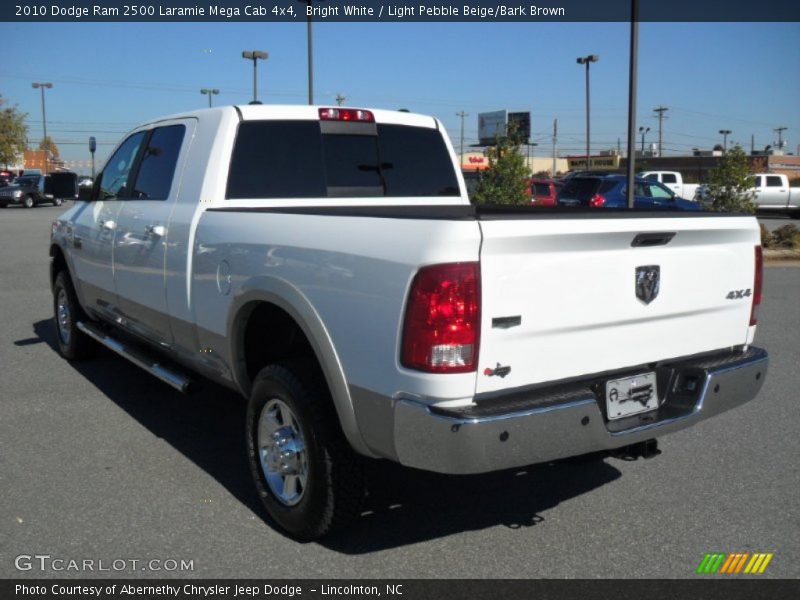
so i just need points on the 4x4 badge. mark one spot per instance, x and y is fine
(648, 282)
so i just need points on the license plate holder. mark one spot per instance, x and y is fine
(628, 396)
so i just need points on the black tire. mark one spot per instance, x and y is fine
(73, 344)
(334, 486)
(57, 202)
(795, 214)
(28, 201)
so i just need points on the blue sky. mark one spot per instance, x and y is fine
(108, 77)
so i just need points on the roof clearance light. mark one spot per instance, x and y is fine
(346, 114)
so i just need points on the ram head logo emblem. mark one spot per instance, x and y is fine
(648, 282)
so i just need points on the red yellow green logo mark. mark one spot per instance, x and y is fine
(735, 563)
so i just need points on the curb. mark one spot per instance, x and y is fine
(780, 256)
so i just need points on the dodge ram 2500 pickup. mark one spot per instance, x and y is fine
(772, 192)
(326, 263)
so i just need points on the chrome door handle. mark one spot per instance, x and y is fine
(108, 225)
(156, 230)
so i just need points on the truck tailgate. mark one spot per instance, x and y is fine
(572, 283)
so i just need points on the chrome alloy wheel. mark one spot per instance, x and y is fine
(282, 452)
(64, 316)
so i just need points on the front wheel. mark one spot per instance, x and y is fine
(73, 344)
(308, 477)
(28, 202)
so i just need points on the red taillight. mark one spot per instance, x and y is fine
(758, 279)
(597, 200)
(346, 114)
(441, 332)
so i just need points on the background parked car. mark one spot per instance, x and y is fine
(610, 191)
(544, 191)
(31, 190)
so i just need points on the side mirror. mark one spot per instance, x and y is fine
(85, 193)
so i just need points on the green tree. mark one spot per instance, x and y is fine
(730, 186)
(505, 181)
(13, 134)
(48, 144)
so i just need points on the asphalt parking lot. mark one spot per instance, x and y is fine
(99, 461)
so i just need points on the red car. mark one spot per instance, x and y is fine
(544, 191)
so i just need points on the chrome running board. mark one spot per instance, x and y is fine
(138, 357)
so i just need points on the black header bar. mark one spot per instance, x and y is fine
(396, 11)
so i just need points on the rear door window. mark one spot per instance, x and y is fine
(669, 178)
(157, 165)
(774, 181)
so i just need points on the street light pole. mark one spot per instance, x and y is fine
(462, 114)
(310, 37)
(633, 68)
(254, 55)
(643, 130)
(585, 60)
(42, 86)
(210, 92)
(725, 133)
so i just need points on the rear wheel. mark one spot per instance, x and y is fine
(308, 477)
(73, 344)
(57, 202)
(28, 202)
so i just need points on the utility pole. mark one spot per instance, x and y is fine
(42, 87)
(660, 110)
(752, 143)
(555, 144)
(780, 131)
(463, 115)
(340, 99)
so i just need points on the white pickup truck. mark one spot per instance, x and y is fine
(674, 181)
(771, 192)
(327, 264)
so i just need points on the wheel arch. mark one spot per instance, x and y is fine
(280, 295)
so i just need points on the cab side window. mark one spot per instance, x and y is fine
(774, 181)
(658, 191)
(114, 178)
(669, 178)
(157, 167)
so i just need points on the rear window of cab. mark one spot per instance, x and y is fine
(295, 159)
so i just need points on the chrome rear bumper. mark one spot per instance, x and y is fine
(569, 421)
